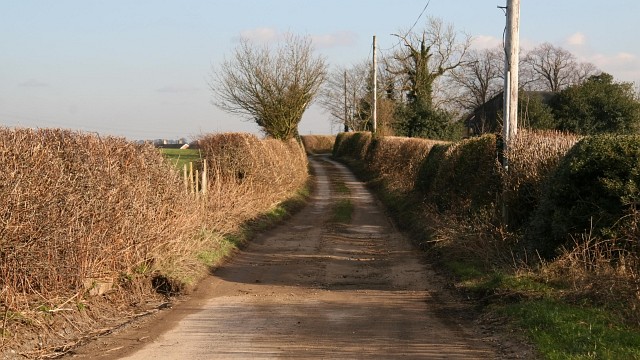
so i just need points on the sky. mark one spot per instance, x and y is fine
(140, 68)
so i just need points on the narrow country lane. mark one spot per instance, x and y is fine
(313, 289)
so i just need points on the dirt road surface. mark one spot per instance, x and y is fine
(313, 289)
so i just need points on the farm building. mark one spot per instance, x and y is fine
(488, 117)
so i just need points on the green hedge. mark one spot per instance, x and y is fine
(352, 145)
(593, 189)
(468, 178)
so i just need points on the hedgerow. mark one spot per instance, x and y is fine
(93, 227)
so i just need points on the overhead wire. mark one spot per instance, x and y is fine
(411, 28)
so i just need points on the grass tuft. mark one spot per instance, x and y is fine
(342, 211)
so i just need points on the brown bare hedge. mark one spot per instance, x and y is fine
(249, 176)
(533, 157)
(318, 144)
(397, 160)
(85, 215)
(78, 207)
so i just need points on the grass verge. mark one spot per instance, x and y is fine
(342, 211)
(227, 244)
(569, 331)
(558, 323)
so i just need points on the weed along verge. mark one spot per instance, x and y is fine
(562, 264)
(98, 231)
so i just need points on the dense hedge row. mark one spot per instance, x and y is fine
(249, 175)
(552, 192)
(595, 190)
(94, 225)
(78, 207)
(318, 144)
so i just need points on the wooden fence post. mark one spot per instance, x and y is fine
(204, 177)
(185, 179)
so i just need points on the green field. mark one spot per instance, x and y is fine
(180, 157)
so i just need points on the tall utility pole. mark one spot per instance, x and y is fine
(512, 57)
(346, 106)
(375, 87)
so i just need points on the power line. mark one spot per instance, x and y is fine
(411, 28)
(419, 16)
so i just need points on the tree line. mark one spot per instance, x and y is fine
(428, 83)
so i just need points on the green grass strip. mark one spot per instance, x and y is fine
(342, 211)
(565, 331)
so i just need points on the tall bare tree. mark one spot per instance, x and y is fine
(426, 56)
(480, 78)
(552, 68)
(418, 64)
(271, 85)
(346, 94)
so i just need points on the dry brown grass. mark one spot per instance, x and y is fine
(81, 212)
(318, 144)
(606, 272)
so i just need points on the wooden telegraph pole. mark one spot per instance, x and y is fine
(375, 87)
(512, 56)
(510, 110)
(346, 105)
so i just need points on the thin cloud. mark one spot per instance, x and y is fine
(337, 39)
(261, 35)
(577, 39)
(623, 66)
(482, 42)
(33, 83)
(267, 35)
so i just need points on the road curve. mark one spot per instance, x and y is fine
(313, 289)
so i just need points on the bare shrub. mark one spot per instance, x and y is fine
(318, 144)
(604, 271)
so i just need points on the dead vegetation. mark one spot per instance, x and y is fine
(318, 144)
(93, 227)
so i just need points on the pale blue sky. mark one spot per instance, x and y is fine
(139, 68)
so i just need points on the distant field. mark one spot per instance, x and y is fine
(180, 157)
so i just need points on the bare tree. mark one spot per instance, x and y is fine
(552, 68)
(480, 78)
(346, 94)
(418, 66)
(425, 57)
(272, 86)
